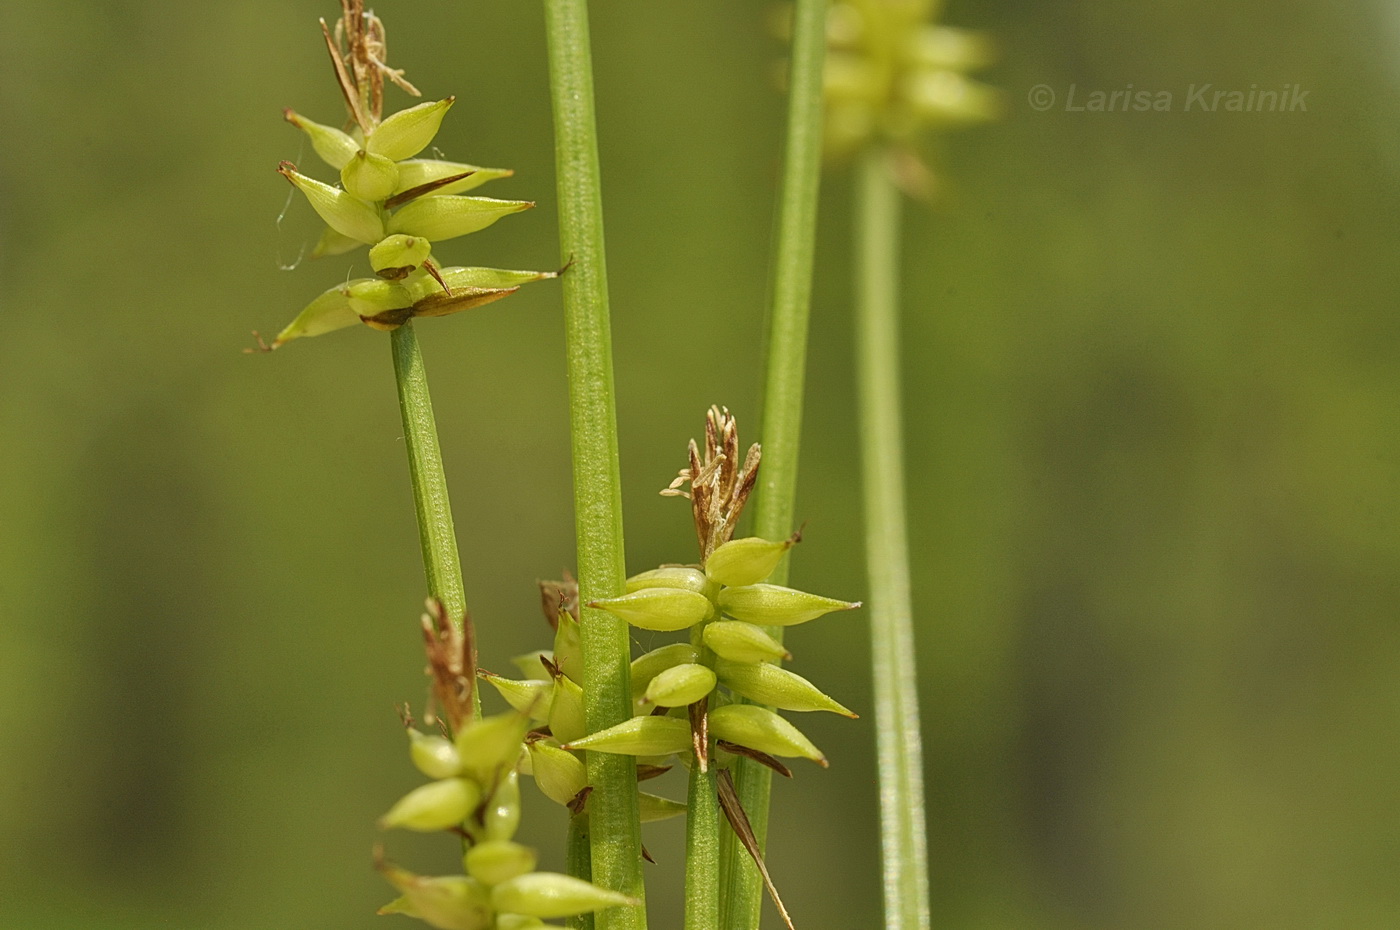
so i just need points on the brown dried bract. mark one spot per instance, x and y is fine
(451, 652)
(359, 52)
(556, 596)
(720, 483)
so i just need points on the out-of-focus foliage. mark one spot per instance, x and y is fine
(1153, 370)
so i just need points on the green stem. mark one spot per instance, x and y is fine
(898, 744)
(441, 564)
(612, 807)
(702, 828)
(578, 863)
(782, 396)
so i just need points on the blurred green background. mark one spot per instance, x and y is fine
(1152, 367)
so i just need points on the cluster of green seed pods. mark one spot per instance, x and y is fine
(891, 73)
(726, 605)
(475, 792)
(399, 205)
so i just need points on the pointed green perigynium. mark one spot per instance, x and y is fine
(680, 685)
(334, 147)
(438, 805)
(639, 736)
(673, 576)
(759, 728)
(660, 609)
(495, 861)
(742, 642)
(776, 687)
(408, 132)
(434, 756)
(549, 894)
(772, 605)
(447, 217)
(344, 212)
(647, 666)
(745, 561)
(502, 815)
(557, 772)
(369, 177)
(529, 696)
(568, 645)
(448, 902)
(370, 297)
(325, 314)
(566, 711)
(490, 744)
(417, 172)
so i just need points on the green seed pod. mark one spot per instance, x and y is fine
(566, 712)
(759, 728)
(742, 642)
(946, 97)
(395, 256)
(647, 666)
(568, 647)
(774, 686)
(438, 805)
(491, 278)
(671, 576)
(558, 773)
(549, 894)
(342, 211)
(420, 171)
(653, 807)
(369, 177)
(745, 561)
(530, 665)
(660, 609)
(448, 902)
(334, 147)
(680, 685)
(381, 304)
(408, 132)
(771, 605)
(639, 736)
(438, 218)
(950, 49)
(490, 744)
(434, 756)
(325, 314)
(502, 815)
(531, 697)
(496, 861)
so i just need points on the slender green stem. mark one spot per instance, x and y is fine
(898, 744)
(440, 561)
(578, 863)
(612, 807)
(702, 828)
(782, 396)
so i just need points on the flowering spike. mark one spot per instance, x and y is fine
(408, 132)
(345, 213)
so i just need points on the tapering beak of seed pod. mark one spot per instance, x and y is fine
(549, 894)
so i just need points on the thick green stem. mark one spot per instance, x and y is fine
(898, 743)
(441, 564)
(782, 396)
(612, 807)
